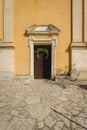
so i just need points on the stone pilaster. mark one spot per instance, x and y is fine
(85, 21)
(6, 47)
(7, 21)
(1, 20)
(79, 32)
(76, 21)
(0, 16)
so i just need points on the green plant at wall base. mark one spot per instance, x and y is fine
(85, 44)
(0, 40)
(44, 50)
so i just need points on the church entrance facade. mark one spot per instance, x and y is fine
(60, 27)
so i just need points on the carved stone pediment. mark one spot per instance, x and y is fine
(42, 29)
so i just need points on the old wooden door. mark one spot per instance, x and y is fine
(42, 62)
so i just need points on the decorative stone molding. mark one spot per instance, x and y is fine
(31, 45)
(78, 45)
(42, 29)
(33, 42)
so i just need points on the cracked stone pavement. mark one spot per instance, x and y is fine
(42, 105)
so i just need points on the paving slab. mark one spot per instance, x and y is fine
(42, 105)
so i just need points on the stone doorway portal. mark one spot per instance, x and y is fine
(42, 35)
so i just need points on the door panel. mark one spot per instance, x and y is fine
(38, 65)
(47, 64)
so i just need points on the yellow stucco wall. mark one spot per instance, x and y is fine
(29, 12)
(1, 19)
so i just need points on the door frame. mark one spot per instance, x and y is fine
(51, 41)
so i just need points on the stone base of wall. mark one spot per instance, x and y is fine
(83, 75)
(6, 60)
(6, 75)
(79, 62)
(21, 79)
(9, 76)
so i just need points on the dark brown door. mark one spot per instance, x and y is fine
(42, 63)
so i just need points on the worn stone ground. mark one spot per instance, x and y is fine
(42, 105)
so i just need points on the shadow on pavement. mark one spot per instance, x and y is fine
(83, 86)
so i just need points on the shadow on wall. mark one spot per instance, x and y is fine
(64, 71)
(68, 50)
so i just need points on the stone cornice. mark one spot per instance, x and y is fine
(6, 45)
(78, 46)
